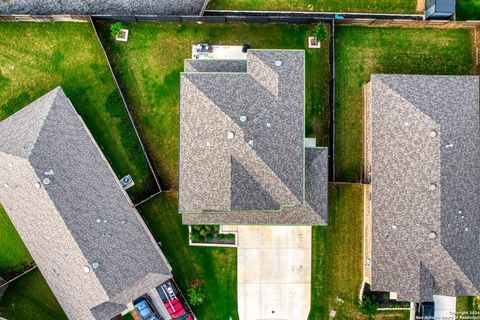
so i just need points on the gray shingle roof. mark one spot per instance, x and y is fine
(71, 211)
(425, 173)
(215, 65)
(261, 167)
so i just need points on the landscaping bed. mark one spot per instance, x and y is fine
(361, 51)
(382, 299)
(214, 267)
(210, 234)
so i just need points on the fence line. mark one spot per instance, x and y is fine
(137, 132)
(44, 18)
(409, 23)
(20, 275)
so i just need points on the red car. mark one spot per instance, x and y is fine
(176, 310)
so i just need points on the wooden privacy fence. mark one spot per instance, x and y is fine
(48, 18)
(408, 23)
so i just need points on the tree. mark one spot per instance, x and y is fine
(196, 296)
(369, 307)
(115, 29)
(320, 32)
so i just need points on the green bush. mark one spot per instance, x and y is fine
(221, 237)
(320, 32)
(197, 227)
(216, 228)
(196, 237)
(230, 237)
(203, 232)
(369, 307)
(209, 237)
(195, 295)
(115, 29)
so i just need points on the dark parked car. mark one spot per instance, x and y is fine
(146, 309)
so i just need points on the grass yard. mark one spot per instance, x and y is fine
(14, 256)
(468, 9)
(373, 6)
(468, 304)
(361, 51)
(37, 57)
(337, 257)
(215, 267)
(29, 297)
(149, 66)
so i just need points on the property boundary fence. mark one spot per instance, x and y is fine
(137, 132)
(6, 283)
(44, 18)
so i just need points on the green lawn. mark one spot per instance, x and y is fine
(380, 6)
(215, 267)
(468, 304)
(30, 298)
(361, 51)
(149, 66)
(468, 9)
(337, 257)
(37, 57)
(14, 257)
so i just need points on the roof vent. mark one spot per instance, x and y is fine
(449, 146)
(209, 143)
(278, 63)
(250, 143)
(86, 269)
(10, 164)
(99, 220)
(269, 124)
(46, 180)
(37, 185)
(433, 133)
(432, 235)
(466, 229)
(49, 172)
(5, 185)
(243, 118)
(394, 226)
(96, 265)
(432, 187)
(124, 221)
(407, 124)
(230, 135)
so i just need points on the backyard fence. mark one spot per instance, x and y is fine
(42, 18)
(130, 116)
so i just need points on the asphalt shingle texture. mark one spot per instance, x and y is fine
(242, 141)
(105, 7)
(425, 139)
(71, 212)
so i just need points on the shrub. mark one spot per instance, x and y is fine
(209, 237)
(230, 237)
(203, 232)
(197, 227)
(196, 237)
(216, 228)
(221, 237)
(115, 29)
(320, 32)
(369, 307)
(195, 295)
(207, 227)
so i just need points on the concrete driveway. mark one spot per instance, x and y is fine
(274, 267)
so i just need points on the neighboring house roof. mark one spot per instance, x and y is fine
(425, 170)
(104, 7)
(71, 212)
(242, 142)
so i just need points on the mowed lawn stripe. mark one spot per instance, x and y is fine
(362, 51)
(374, 6)
(37, 57)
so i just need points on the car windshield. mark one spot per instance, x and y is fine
(144, 309)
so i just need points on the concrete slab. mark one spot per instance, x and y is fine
(274, 267)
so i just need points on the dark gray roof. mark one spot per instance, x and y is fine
(215, 65)
(71, 211)
(425, 173)
(105, 7)
(262, 167)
